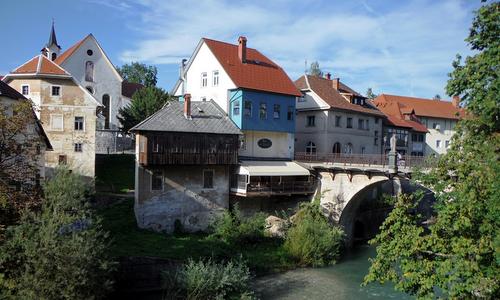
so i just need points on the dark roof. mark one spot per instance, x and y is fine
(9, 92)
(206, 117)
(323, 87)
(52, 38)
(129, 88)
(257, 73)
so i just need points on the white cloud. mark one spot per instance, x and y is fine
(406, 47)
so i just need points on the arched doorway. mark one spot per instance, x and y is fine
(337, 148)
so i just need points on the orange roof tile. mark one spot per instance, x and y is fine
(424, 107)
(323, 87)
(59, 60)
(40, 65)
(257, 73)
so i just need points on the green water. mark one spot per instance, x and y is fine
(341, 281)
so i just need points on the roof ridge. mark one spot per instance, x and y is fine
(39, 64)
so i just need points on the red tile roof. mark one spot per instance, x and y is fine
(257, 73)
(422, 107)
(323, 87)
(61, 58)
(394, 112)
(40, 65)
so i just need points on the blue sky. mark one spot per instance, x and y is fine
(395, 47)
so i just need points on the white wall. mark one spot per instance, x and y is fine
(445, 133)
(205, 61)
(106, 81)
(282, 144)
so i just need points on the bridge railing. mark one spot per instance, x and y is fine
(375, 160)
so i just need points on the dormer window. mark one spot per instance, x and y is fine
(204, 79)
(25, 89)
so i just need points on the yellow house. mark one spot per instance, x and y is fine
(67, 112)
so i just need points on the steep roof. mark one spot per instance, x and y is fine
(61, 58)
(394, 112)
(9, 92)
(52, 38)
(129, 88)
(257, 73)
(422, 107)
(206, 117)
(324, 89)
(40, 65)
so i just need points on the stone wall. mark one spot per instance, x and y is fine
(114, 141)
(182, 198)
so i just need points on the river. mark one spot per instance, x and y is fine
(341, 281)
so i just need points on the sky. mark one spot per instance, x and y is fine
(393, 46)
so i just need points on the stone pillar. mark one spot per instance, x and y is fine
(393, 156)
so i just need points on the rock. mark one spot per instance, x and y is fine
(276, 227)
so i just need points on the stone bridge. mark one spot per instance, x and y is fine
(346, 185)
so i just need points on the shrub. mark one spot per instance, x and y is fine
(311, 240)
(233, 228)
(59, 252)
(207, 279)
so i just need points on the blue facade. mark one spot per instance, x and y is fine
(261, 111)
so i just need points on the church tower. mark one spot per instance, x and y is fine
(52, 49)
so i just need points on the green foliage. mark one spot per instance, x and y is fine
(234, 228)
(60, 252)
(145, 102)
(139, 73)
(207, 279)
(311, 240)
(458, 254)
(315, 70)
(115, 172)
(370, 94)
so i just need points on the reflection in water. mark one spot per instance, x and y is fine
(341, 281)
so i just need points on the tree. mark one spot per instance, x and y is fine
(19, 142)
(370, 94)
(437, 97)
(456, 252)
(315, 70)
(139, 73)
(59, 252)
(145, 102)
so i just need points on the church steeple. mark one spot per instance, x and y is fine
(52, 49)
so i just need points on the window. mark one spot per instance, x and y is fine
(243, 143)
(376, 120)
(363, 149)
(436, 126)
(208, 179)
(348, 148)
(367, 125)
(56, 91)
(375, 139)
(263, 111)
(204, 79)
(311, 121)
(302, 99)
(361, 124)
(311, 148)
(78, 147)
(54, 56)
(25, 89)
(215, 78)
(446, 144)
(248, 109)
(89, 71)
(157, 181)
(236, 108)
(417, 137)
(290, 113)
(349, 122)
(156, 145)
(56, 122)
(276, 111)
(79, 123)
(438, 144)
(90, 52)
(203, 99)
(63, 159)
(338, 119)
(106, 102)
(337, 148)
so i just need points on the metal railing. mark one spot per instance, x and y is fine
(375, 160)
(294, 187)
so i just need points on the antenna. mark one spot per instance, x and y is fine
(305, 66)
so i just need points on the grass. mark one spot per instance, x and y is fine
(267, 256)
(115, 173)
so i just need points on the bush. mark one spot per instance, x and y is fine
(207, 279)
(234, 228)
(311, 240)
(60, 252)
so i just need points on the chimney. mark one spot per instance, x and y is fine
(336, 83)
(456, 101)
(328, 76)
(242, 49)
(187, 106)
